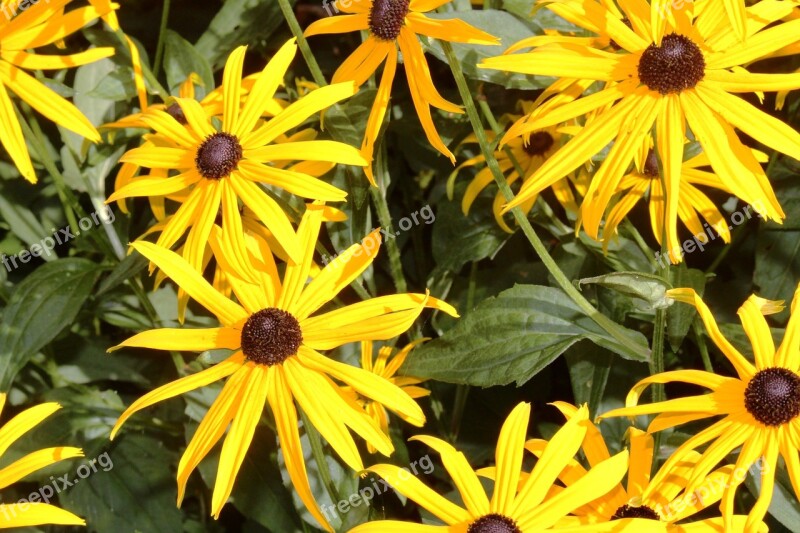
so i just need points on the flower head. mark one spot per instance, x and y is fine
(34, 513)
(760, 408)
(276, 334)
(22, 31)
(516, 505)
(670, 71)
(393, 25)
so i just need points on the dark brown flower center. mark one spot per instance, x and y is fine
(493, 523)
(539, 143)
(271, 336)
(218, 156)
(386, 18)
(676, 65)
(176, 112)
(773, 396)
(629, 511)
(651, 165)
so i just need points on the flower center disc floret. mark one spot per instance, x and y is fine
(218, 156)
(493, 523)
(271, 336)
(773, 396)
(675, 66)
(386, 18)
(539, 143)
(629, 511)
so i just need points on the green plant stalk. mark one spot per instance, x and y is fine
(701, 345)
(72, 207)
(462, 391)
(161, 38)
(608, 325)
(385, 220)
(302, 43)
(315, 440)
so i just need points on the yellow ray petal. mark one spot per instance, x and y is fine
(377, 113)
(788, 354)
(52, 62)
(36, 514)
(453, 30)
(411, 487)
(366, 383)
(462, 474)
(46, 101)
(280, 400)
(214, 373)
(232, 89)
(24, 422)
(212, 428)
(508, 459)
(35, 461)
(243, 427)
(146, 186)
(296, 275)
(192, 282)
(340, 24)
(12, 138)
(193, 340)
(751, 313)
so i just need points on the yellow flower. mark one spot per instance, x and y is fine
(394, 24)
(515, 506)
(760, 407)
(670, 71)
(529, 151)
(219, 167)
(21, 32)
(662, 498)
(386, 366)
(275, 342)
(32, 513)
(644, 181)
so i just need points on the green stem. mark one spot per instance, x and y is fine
(308, 55)
(385, 220)
(701, 345)
(315, 440)
(608, 325)
(161, 38)
(462, 391)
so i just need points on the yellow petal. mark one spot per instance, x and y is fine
(36, 514)
(508, 459)
(184, 339)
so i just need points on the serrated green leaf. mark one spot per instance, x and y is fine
(41, 306)
(509, 338)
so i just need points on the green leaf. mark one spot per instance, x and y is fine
(137, 493)
(647, 291)
(509, 338)
(238, 22)
(128, 268)
(589, 368)
(680, 315)
(503, 25)
(181, 60)
(459, 239)
(41, 306)
(24, 224)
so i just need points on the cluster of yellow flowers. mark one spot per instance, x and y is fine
(223, 176)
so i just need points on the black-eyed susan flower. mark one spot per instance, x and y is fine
(21, 32)
(528, 152)
(386, 366)
(32, 513)
(515, 506)
(393, 25)
(661, 497)
(695, 209)
(670, 72)
(276, 335)
(760, 408)
(218, 167)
